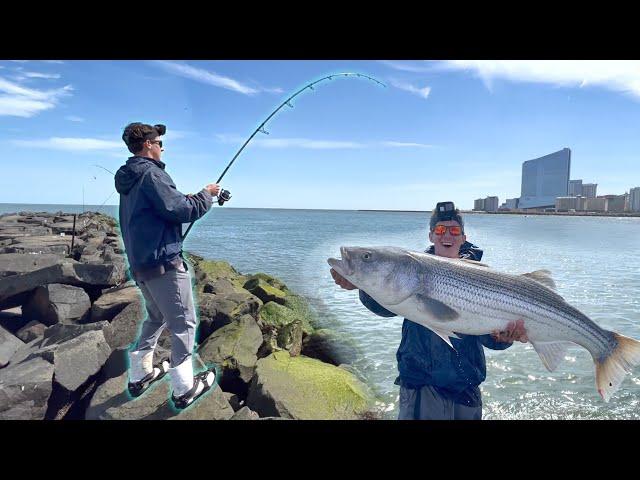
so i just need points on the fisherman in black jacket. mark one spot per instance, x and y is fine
(151, 213)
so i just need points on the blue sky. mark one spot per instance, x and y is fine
(441, 130)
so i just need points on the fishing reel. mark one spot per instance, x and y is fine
(223, 196)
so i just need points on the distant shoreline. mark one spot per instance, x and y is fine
(566, 214)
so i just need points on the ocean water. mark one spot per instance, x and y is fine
(594, 261)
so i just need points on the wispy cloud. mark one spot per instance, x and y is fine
(420, 91)
(205, 76)
(19, 101)
(307, 143)
(41, 75)
(71, 144)
(408, 67)
(58, 62)
(616, 75)
(73, 118)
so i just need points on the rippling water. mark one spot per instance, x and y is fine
(594, 261)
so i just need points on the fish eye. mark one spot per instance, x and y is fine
(366, 256)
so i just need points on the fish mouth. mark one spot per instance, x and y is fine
(342, 265)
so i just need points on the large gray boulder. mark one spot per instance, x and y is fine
(41, 244)
(76, 351)
(57, 303)
(234, 348)
(245, 413)
(69, 272)
(9, 345)
(25, 389)
(306, 389)
(17, 263)
(113, 301)
(78, 359)
(112, 401)
(216, 311)
(126, 325)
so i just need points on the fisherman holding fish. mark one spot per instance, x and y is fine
(437, 382)
(151, 215)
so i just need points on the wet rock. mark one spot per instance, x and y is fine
(25, 389)
(330, 347)
(289, 338)
(277, 316)
(57, 303)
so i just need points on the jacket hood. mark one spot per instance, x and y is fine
(129, 174)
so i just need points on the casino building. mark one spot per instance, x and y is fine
(544, 179)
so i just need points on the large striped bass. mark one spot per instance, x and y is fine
(456, 295)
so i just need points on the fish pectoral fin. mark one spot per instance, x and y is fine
(543, 277)
(551, 353)
(435, 308)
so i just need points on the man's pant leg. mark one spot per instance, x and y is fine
(153, 325)
(172, 295)
(424, 404)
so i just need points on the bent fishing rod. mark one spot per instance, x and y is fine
(224, 195)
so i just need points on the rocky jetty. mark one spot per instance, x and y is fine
(69, 314)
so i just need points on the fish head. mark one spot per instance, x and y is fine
(385, 273)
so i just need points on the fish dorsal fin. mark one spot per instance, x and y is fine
(543, 277)
(551, 353)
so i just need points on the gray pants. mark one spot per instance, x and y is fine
(169, 303)
(433, 406)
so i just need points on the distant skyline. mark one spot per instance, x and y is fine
(441, 130)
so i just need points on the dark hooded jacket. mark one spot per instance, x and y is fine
(425, 359)
(152, 212)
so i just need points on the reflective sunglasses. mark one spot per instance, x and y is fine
(453, 230)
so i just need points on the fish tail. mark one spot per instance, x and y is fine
(611, 370)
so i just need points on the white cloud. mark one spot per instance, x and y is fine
(71, 144)
(19, 101)
(406, 145)
(204, 76)
(617, 75)
(407, 67)
(73, 118)
(422, 92)
(58, 62)
(317, 144)
(41, 75)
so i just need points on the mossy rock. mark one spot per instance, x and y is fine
(307, 389)
(265, 292)
(273, 281)
(277, 316)
(300, 305)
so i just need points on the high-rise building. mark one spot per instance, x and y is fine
(511, 203)
(597, 204)
(564, 204)
(615, 203)
(544, 179)
(589, 190)
(575, 188)
(634, 199)
(491, 204)
(478, 204)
